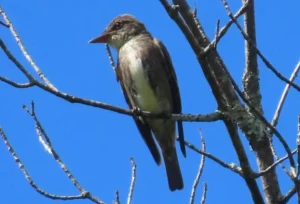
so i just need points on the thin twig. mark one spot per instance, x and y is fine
(195, 12)
(4, 24)
(117, 198)
(15, 84)
(224, 30)
(196, 20)
(297, 184)
(110, 57)
(111, 60)
(173, 13)
(298, 147)
(29, 179)
(279, 109)
(289, 194)
(203, 198)
(217, 33)
(233, 167)
(284, 95)
(16, 62)
(47, 144)
(278, 161)
(201, 168)
(133, 179)
(264, 59)
(24, 51)
(284, 168)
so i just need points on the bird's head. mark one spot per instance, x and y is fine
(122, 29)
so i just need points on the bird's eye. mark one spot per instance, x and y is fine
(118, 25)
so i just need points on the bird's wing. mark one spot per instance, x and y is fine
(141, 124)
(174, 90)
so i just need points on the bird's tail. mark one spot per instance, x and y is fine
(173, 170)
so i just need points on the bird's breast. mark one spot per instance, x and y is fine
(144, 96)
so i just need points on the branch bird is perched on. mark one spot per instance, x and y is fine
(149, 83)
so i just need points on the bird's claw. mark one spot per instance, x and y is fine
(136, 111)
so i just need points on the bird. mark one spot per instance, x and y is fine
(149, 83)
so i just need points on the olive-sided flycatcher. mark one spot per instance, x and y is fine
(149, 83)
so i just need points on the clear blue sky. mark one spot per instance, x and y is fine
(96, 144)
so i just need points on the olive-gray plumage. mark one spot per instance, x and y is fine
(149, 83)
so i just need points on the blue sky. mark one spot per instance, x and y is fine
(96, 144)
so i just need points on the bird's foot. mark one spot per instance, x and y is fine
(136, 111)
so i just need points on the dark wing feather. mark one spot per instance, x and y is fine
(142, 126)
(174, 89)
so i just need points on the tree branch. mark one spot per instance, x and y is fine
(201, 168)
(24, 51)
(213, 68)
(133, 178)
(15, 84)
(264, 59)
(233, 167)
(203, 198)
(251, 72)
(279, 161)
(83, 195)
(117, 198)
(284, 95)
(46, 142)
(256, 112)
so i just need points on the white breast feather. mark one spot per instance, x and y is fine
(145, 95)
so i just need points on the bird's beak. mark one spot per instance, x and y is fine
(101, 39)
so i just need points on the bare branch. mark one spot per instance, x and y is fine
(173, 13)
(4, 24)
(117, 198)
(264, 120)
(31, 182)
(279, 161)
(284, 95)
(264, 59)
(15, 84)
(110, 57)
(217, 34)
(297, 184)
(253, 109)
(213, 69)
(24, 51)
(298, 147)
(47, 144)
(289, 195)
(279, 109)
(189, 18)
(133, 178)
(233, 167)
(251, 72)
(201, 168)
(203, 198)
(111, 60)
(224, 30)
(16, 62)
